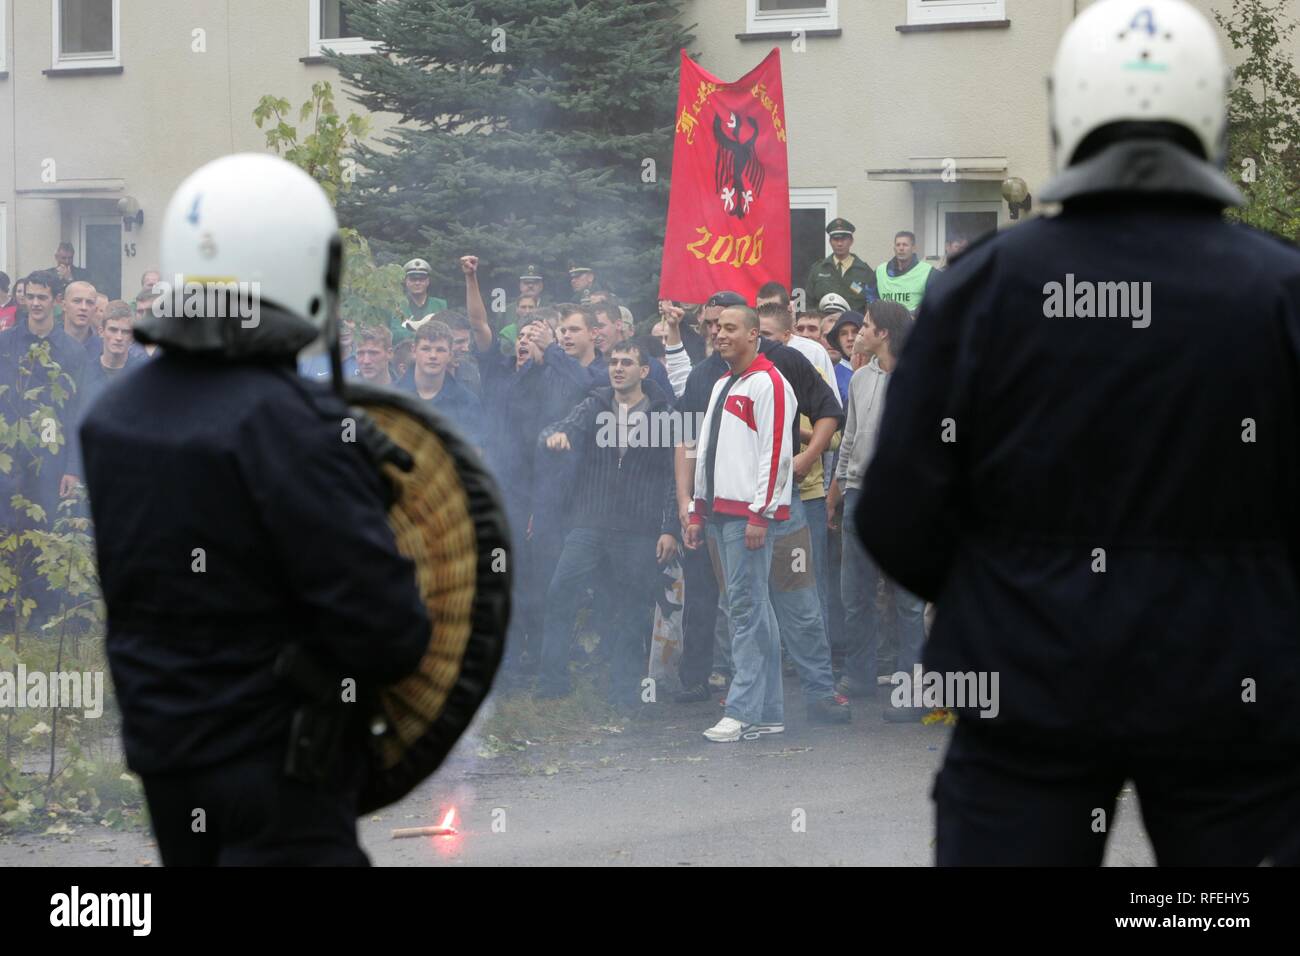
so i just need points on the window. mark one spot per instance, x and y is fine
(329, 29)
(810, 210)
(921, 12)
(779, 16)
(86, 34)
(967, 219)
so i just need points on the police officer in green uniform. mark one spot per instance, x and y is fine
(531, 283)
(583, 281)
(841, 272)
(905, 278)
(530, 287)
(416, 303)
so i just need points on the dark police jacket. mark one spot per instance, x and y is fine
(1106, 509)
(232, 519)
(857, 285)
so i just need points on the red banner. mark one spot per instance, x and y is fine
(729, 207)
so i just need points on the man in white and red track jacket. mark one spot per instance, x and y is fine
(743, 467)
(743, 478)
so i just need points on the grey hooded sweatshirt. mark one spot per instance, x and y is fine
(861, 429)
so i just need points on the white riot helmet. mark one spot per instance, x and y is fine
(1141, 61)
(260, 221)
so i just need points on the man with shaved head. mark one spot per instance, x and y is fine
(743, 480)
(817, 400)
(80, 303)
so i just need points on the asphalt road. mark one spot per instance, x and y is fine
(655, 793)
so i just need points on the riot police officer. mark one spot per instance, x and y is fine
(1088, 459)
(241, 532)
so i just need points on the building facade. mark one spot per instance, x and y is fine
(108, 104)
(902, 114)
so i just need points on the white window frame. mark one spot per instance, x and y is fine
(345, 45)
(938, 236)
(921, 12)
(4, 42)
(80, 61)
(816, 197)
(812, 18)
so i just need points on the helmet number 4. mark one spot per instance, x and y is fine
(193, 217)
(1144, 19)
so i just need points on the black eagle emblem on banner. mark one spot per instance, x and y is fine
(737, 173)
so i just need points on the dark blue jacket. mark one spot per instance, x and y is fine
(1019, 451)
(243, 464)
(658, 375)
(95, 381)
(94, 346)
(317, 367)
(626, 487)
(519, 403)
(454, 402)
(842, 378)
(36, 474)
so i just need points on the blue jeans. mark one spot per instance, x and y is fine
(814, 510)
(756, 695)
(722, 638)
(522, 588)
(625, 565)
(863, 619)
(797, 603)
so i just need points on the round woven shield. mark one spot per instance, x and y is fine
(448, 519)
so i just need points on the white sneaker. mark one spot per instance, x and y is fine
(755, 731)
(718, 681)
(727, 730)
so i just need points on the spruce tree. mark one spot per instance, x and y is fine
(532, 131)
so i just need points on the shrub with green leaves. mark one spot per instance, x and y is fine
(56, 764)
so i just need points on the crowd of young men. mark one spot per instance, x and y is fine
(61, 343)
(724, 437)
(711, 439)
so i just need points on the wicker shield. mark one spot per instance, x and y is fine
(448, 519)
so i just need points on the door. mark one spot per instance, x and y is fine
(101, 253)
(807, 242)
(811, 208)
